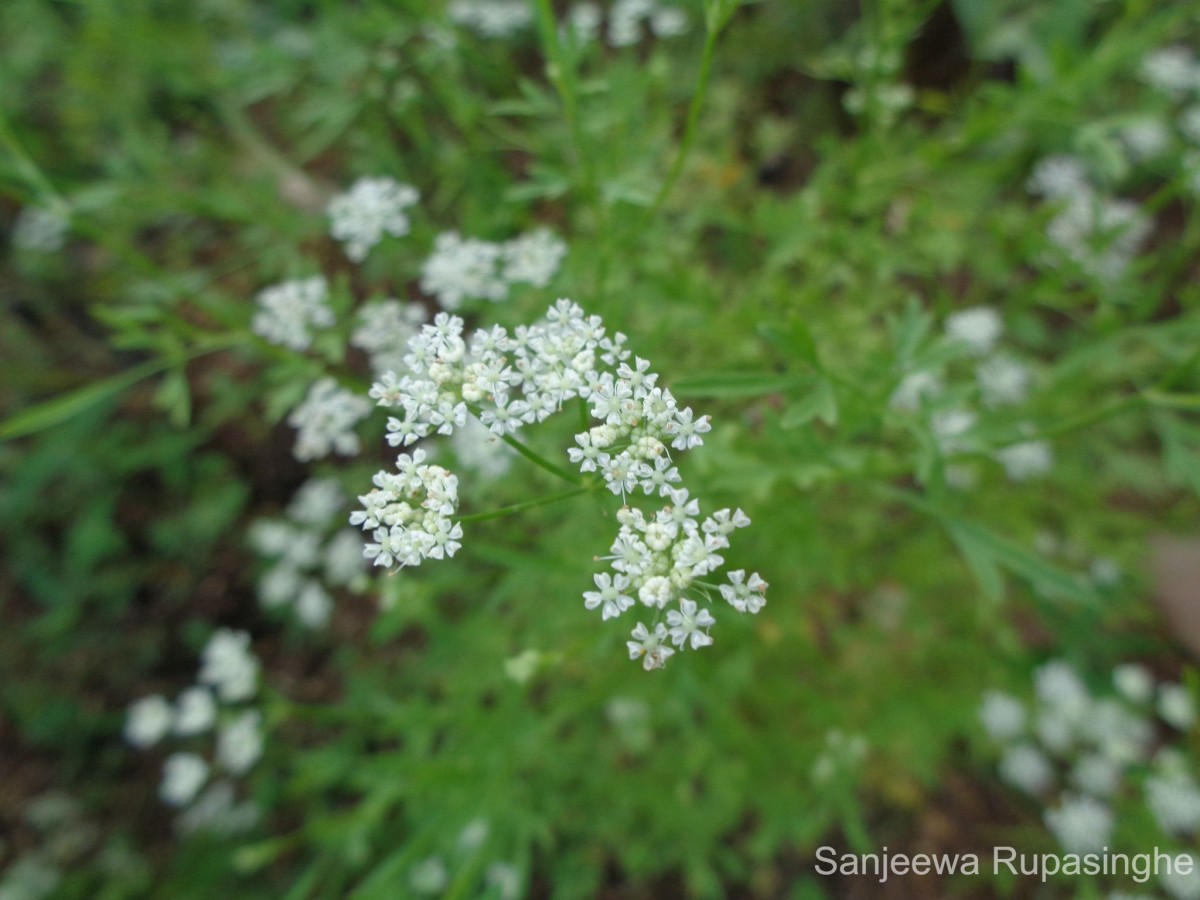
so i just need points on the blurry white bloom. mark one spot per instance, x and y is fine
(216, 811)
(1056, 733)
(316, 503)
(1002, 715)
(1081, 824)
(429, 876)
(492, 18)
(915, 390)
(1061, 690)
(1174, 799)
(473, 835)
(1104, 572)
(29, 877)
(40, 230)
(950, 427)
(1097, 775)
(313, 605)
(480, 451)
(1134, 682)
(344, 563)
(228, 666)
(1099, 234)
(1025, 767)
(384, 329)
(1173, 70)
(584, 20)
(1057, 177)
(533, 258)
(463, 269)
(841, 753)
(1175, 706)
(372, 207)
(1189, 123)
(1026, 460)
(1117, 732)
(979, 328)
(183, 776)
(287, 312)
(195, 711)
(1179, 885)
(148, 720)
(240, 742)
(625, 21)
(505, 878)
(668, 22)
(326, 419)
(1145, 140)
(1003, 381)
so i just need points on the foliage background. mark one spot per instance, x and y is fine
(803, 261)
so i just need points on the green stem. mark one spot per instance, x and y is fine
(561, 72)
(693, 118)
(519, 507)
(538, 460)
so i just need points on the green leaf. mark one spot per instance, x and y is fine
(793, 339)
(735, 384)
(820, 403)
(59, 409)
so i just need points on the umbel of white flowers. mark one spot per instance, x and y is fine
(508, 381)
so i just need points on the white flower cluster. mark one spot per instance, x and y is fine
(1100, 744)
(383, 331)
(40, 230)
(228, 678)
(1173, 70)
(307, 560)
(509, 381)
(325, 421)
(372, 207)
(288, 312)
(626, 17)
(1098, 233)
(462, 269)
(1002, 380)
(492, 18)
(408, 513)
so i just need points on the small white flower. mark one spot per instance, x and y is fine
(195, 711)
(1026, 460)
(1002, 715)
(384, 330)
(1134, 682)
(1176, 707)
(148, 721)
(183, 776)
(505, 878)
(40, 230)
(1056, 177)
(316, 503)
(240, 742)
(325, 421)
(978, 328)
(492, 18)
(1174, 799)
(372, 207)
(288, 312)
(745, 595)
(463, 269)
(1081, 824)
(313, 605)
(610, 596)
(1182, 886)
(685, 623)
(228, 666)
(533, 258)
(1173, 70)
(650, 648)
(429, 876)
(1097, 775)
(1003, 381)
(915, 390)
(1025, 767)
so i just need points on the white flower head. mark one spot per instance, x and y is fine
(1002, 715)
(1176, 707)
(1003, 381)
(650, 647)
(1081, 824)
(1026, 460)
(183, 776)
(1134, 682)
(240, 742)
(372, 207)
(384, 330)
(1026, 767)
(533, 258)
(325, 421)
(195, 711)
(978, 328)
(288, 312)
(492, 18)
(1173, 70)
(40, 230)
(148, 721)
(228, 666)
(462, 269)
